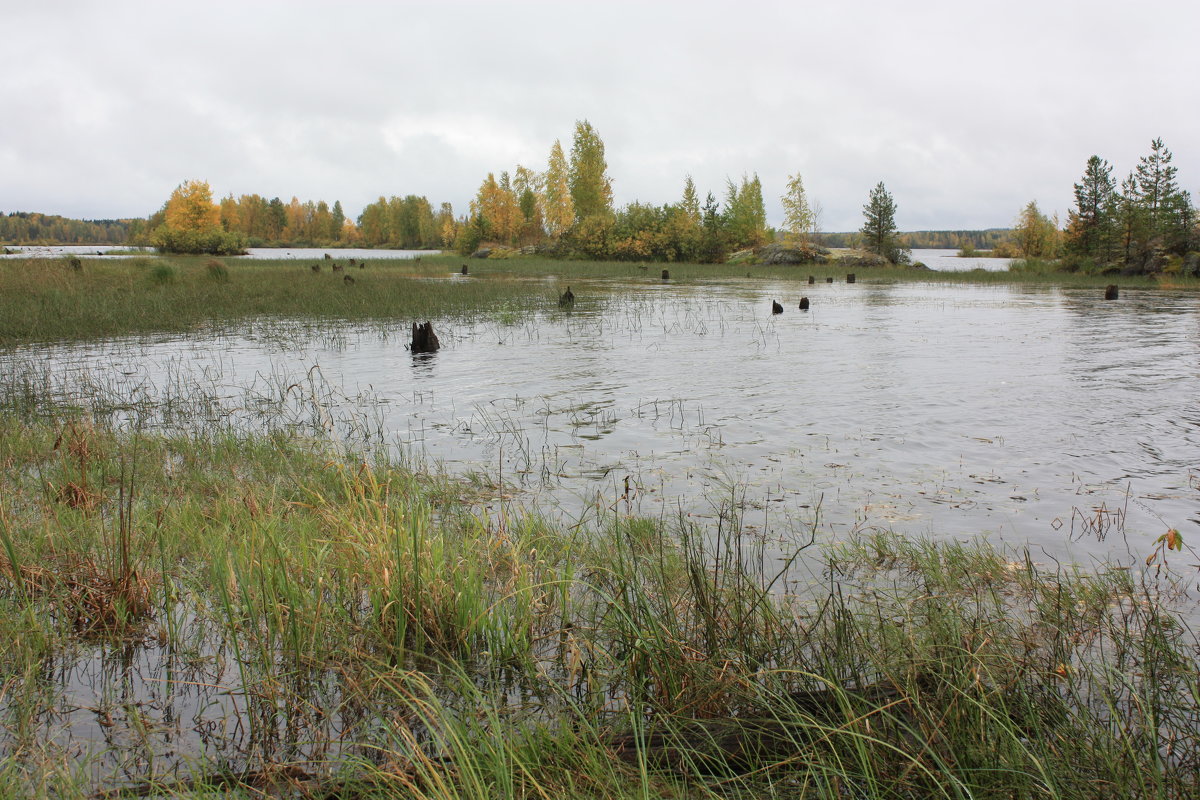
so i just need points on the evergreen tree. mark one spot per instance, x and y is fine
(339, 219)
(880, 235)
(1156, 187)
(714, 242)
(1090, 223)
(591, 188)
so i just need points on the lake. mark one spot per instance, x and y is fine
(1036, 416)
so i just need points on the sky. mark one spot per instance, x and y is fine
(966, 111)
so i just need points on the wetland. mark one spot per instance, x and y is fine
(252, 544)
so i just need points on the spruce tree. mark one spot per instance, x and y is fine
(1090, 223)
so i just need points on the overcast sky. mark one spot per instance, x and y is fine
(966, 111)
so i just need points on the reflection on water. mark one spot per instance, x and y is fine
(951, 410)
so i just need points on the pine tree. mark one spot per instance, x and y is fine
(1156, 186)
(880, 235)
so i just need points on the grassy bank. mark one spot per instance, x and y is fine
(46, 300)
(266, 616)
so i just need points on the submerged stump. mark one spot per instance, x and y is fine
(424, 340)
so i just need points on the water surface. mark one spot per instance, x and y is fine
(1038, 416)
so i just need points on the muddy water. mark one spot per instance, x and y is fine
(1039, 416)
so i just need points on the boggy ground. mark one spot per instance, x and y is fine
(277, 617)
(57, 299)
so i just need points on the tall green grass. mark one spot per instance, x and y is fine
(367, 631)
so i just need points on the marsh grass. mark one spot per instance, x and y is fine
(353, 628)
(47, 300)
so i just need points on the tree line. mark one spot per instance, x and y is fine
(567, 210)
(1144, 224)
(27, 228)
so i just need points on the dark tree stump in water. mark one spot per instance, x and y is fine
(811, 280)
(776, 308)
(1111, 292)
(804, 304)
(424, 340)
(850, 278)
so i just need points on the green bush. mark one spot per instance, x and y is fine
(213, 242)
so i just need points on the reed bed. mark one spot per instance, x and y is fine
(246, 616)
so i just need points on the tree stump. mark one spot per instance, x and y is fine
(424, 340)
(1111, 292)
(804, 304)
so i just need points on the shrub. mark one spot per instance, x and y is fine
(211, 242)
